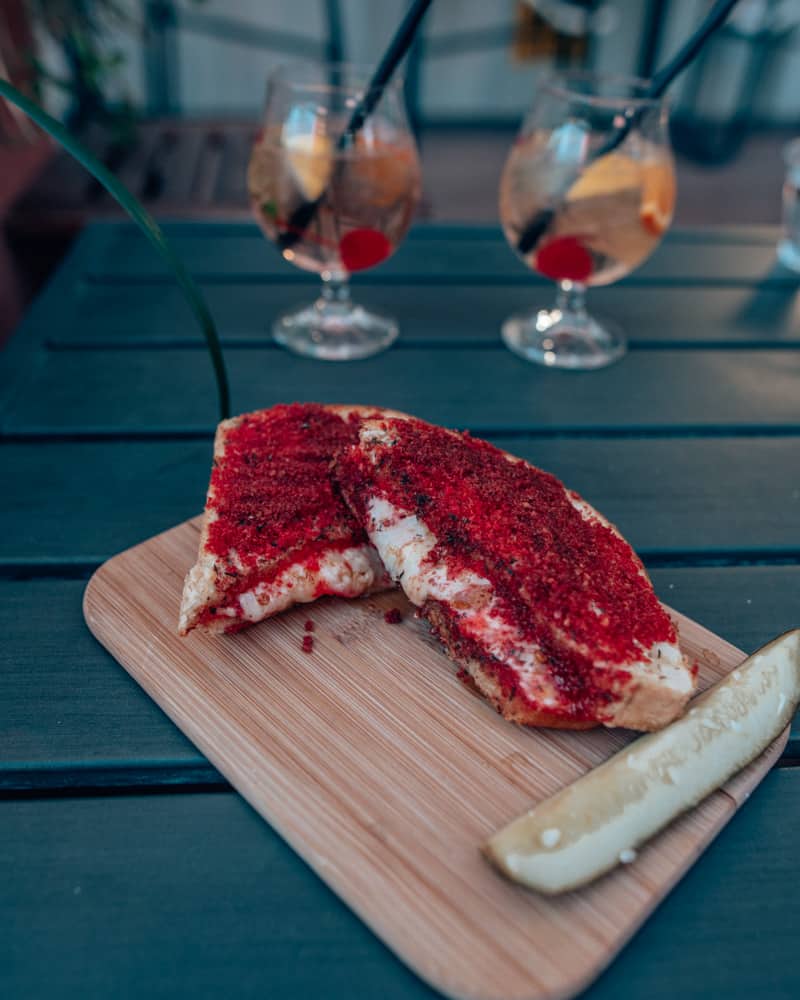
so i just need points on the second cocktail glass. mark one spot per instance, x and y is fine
(587, 192)
(363, 185)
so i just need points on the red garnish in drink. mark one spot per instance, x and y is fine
(308, 644)
(392, 617)
(363, 248)
(564, 259)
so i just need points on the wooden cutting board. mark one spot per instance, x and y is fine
(385, 773)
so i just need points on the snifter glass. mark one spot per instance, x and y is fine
(586, 195)
(358, 190)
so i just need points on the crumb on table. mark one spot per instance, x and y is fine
(393, 617)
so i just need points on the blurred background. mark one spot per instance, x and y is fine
(168, 93)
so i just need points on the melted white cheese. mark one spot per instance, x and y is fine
(404, 544)
(344, 572)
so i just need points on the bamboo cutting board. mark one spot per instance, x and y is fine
(385, 773)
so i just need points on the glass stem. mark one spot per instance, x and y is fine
(571, 298)
(335, 295)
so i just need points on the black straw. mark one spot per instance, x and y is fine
(718, 14)
(399, 45)
(715, 19)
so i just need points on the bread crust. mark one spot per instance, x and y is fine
(513, 708)
(646, 703)
(202, 584)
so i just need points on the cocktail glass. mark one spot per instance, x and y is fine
(334, 200)
(586, 195)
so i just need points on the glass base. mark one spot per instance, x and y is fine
(335, 331)
(558, 338)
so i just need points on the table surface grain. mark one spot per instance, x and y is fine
(128, 866)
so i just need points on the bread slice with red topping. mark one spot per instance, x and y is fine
(536, 596)
(275, 531)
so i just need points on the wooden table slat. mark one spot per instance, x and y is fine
(65, 703)
(173, 390)
(80, 503)
(112, 885)
(112, 253)
(156, 315)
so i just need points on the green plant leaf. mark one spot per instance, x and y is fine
(146, 223)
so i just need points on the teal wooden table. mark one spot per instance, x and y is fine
(128, 868)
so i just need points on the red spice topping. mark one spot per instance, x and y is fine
(393, 617)
(309, 625)
(564, 259)
(271, 489)
(570, 584)
(308, 644)
(363, 248)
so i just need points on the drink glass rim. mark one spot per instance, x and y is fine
(561, 84)
(357, 74)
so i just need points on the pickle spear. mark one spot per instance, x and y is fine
(598, 821)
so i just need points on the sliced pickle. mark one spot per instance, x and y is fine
(597, 822)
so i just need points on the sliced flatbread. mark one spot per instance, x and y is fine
(275, 530)
(536, 596)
